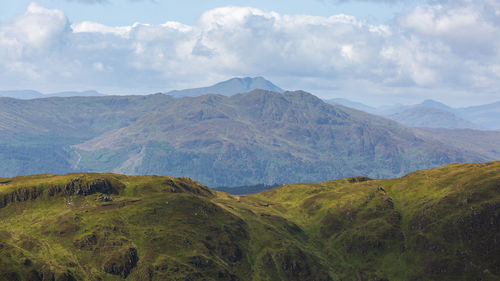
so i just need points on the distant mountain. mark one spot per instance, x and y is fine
(30, 94)
(90, 93)
(484, 116)
(436, 105)
(22, 94)
(487, 115)
(434, 114)
(230, 87)
(259, 137)
(432, 117)
(484, 142)
(352, 104)
(439, 224)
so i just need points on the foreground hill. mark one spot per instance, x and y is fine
(246, 139)
(440, 224)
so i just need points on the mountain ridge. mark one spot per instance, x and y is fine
(242, 125)
(244, 139)
(418, 115)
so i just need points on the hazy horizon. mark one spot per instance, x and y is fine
(93, 92)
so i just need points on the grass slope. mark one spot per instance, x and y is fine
(440, 224)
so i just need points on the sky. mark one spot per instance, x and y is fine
(372, 51)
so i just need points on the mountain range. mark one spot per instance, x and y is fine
(431, 117)
(439, 224)
(30, 94)
(260, 137)
(433, 114)
(429, 113)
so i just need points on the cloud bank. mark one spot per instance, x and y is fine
(436, 47)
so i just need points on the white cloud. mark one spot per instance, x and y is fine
(93, 27)
(463, 25)
(442, 45)
(38, 27)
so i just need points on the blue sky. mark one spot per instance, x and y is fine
(126, 12)
(372, 51)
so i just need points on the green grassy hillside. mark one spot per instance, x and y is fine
(440, 224)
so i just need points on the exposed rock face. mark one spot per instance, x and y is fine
(20, 195)
(121, 263)
(297, 265)
(77, 186)
(87, 242)
(478, 230)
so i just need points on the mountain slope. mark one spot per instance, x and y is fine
(477, 140)
(259, 137)
(230, 87)
(35, 135)
(264, 137)
(440, 224)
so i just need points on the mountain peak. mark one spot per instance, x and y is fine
(435, 104)
(230, 87)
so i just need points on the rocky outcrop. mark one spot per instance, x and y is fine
(20, 195)
(80, 186)
(297, 265)
(121, 262)
(87, 242)
(76, 186)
